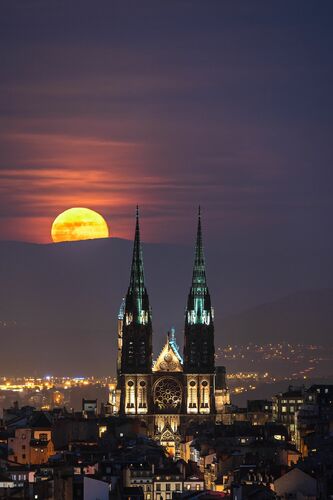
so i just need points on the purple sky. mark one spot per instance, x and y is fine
(168, 104)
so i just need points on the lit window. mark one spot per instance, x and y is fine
(284, 409)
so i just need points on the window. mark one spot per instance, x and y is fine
(284, 409)
(167, 487)
(197, 487)
(23, 446)
(158, 487)
(23, 455)
(178, 487)
(292, 409)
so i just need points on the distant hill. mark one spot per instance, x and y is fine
(59, 302)
(301, 317)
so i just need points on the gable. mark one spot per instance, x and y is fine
(168, 360)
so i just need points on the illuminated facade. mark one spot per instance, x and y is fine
(172, 392)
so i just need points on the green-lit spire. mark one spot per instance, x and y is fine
(137, 304)
(199, 272)
(199, 308)
(137, 279)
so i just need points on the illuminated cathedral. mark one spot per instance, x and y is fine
(174, 390)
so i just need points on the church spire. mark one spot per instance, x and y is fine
(136, 355)
(137, 273)
(198, 306)
(137, 304)
(199, 317)
(199, 271)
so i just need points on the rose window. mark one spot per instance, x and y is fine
(168, 393)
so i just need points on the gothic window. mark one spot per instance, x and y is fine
(205, 352)
(192, 353)
(142, 352)
(192, 395)
(204, 394)
(130, 394)
(130, 352)
(167, 393)
(142, 399)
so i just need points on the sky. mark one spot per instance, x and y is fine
(227, 104)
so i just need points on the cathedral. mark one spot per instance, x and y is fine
(174, 390)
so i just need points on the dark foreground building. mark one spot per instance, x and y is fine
(174, 391)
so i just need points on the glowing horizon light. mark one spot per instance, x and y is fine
(79, 223)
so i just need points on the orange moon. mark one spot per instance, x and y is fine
(79, 223)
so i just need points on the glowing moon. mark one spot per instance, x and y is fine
(79, 223)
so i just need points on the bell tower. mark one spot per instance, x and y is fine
(199, 352)
(136, 354)
(136, 348)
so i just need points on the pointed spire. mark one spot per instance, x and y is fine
(199, 272)
(137, 273)
(121, 313)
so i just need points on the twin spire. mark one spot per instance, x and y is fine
(137, 280)
(199, 300)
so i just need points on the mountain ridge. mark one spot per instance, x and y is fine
(64, 298)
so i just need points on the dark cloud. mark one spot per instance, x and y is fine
(168, 104)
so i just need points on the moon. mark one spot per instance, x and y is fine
(78, 223)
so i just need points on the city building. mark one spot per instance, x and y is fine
(285, 405)
(176, 389)
(32, 443)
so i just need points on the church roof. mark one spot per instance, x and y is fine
(169, 359)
